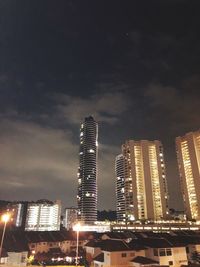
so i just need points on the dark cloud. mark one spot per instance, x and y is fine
(105, 107)
(35, 157)
(178, 107)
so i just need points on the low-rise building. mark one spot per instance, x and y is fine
(112, 252)
(140, 250)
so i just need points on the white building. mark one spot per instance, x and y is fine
(188, 154)
(43, 215)
(146, 193)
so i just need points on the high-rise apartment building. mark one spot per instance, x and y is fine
(120, 187)
(188, 154)
(43, 215)
(87, 171)
(146, 194)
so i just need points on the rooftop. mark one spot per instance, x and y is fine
(144, 260)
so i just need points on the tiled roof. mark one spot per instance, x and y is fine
(135, 246)
(93, 244)
(114, 245)
(155, 242)
(14, 242)
(99, 257)
(4, 253)
(144, 260)
(19, 240)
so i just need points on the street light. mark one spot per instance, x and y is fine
(5, 218)
(77, 228)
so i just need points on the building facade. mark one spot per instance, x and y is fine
(146, 193)
(70, 218)
(120, 187)
(17, 211)
(188, 155)
(87, 171)
(43, 215)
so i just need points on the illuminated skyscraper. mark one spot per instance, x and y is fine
(120, 187)
(43, 215)
(188, 154)
(146, 194)
(87, 171)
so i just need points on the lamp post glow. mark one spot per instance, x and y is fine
(5, 218)
(77, 228)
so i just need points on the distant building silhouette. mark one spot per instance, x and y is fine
(70, 217)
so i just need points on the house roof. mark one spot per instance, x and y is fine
(99, 257)
(93, 243)
(19, 240)
(120, 235)
(4, 253)
(155, 242)
(14, 242)
(144, 260)
(133, 245)
(110, 245)
(114, 245)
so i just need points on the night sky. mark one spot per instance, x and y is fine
(133, 65)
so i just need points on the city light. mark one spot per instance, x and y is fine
(77, 228)
(4, 218)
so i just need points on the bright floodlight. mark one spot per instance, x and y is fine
(5, 217)
(77, 227)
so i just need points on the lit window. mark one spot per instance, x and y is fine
(91, 150)
(81, 134)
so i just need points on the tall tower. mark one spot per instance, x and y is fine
(188, 154)
(87, 171)
(146, 193)
(120, 187)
